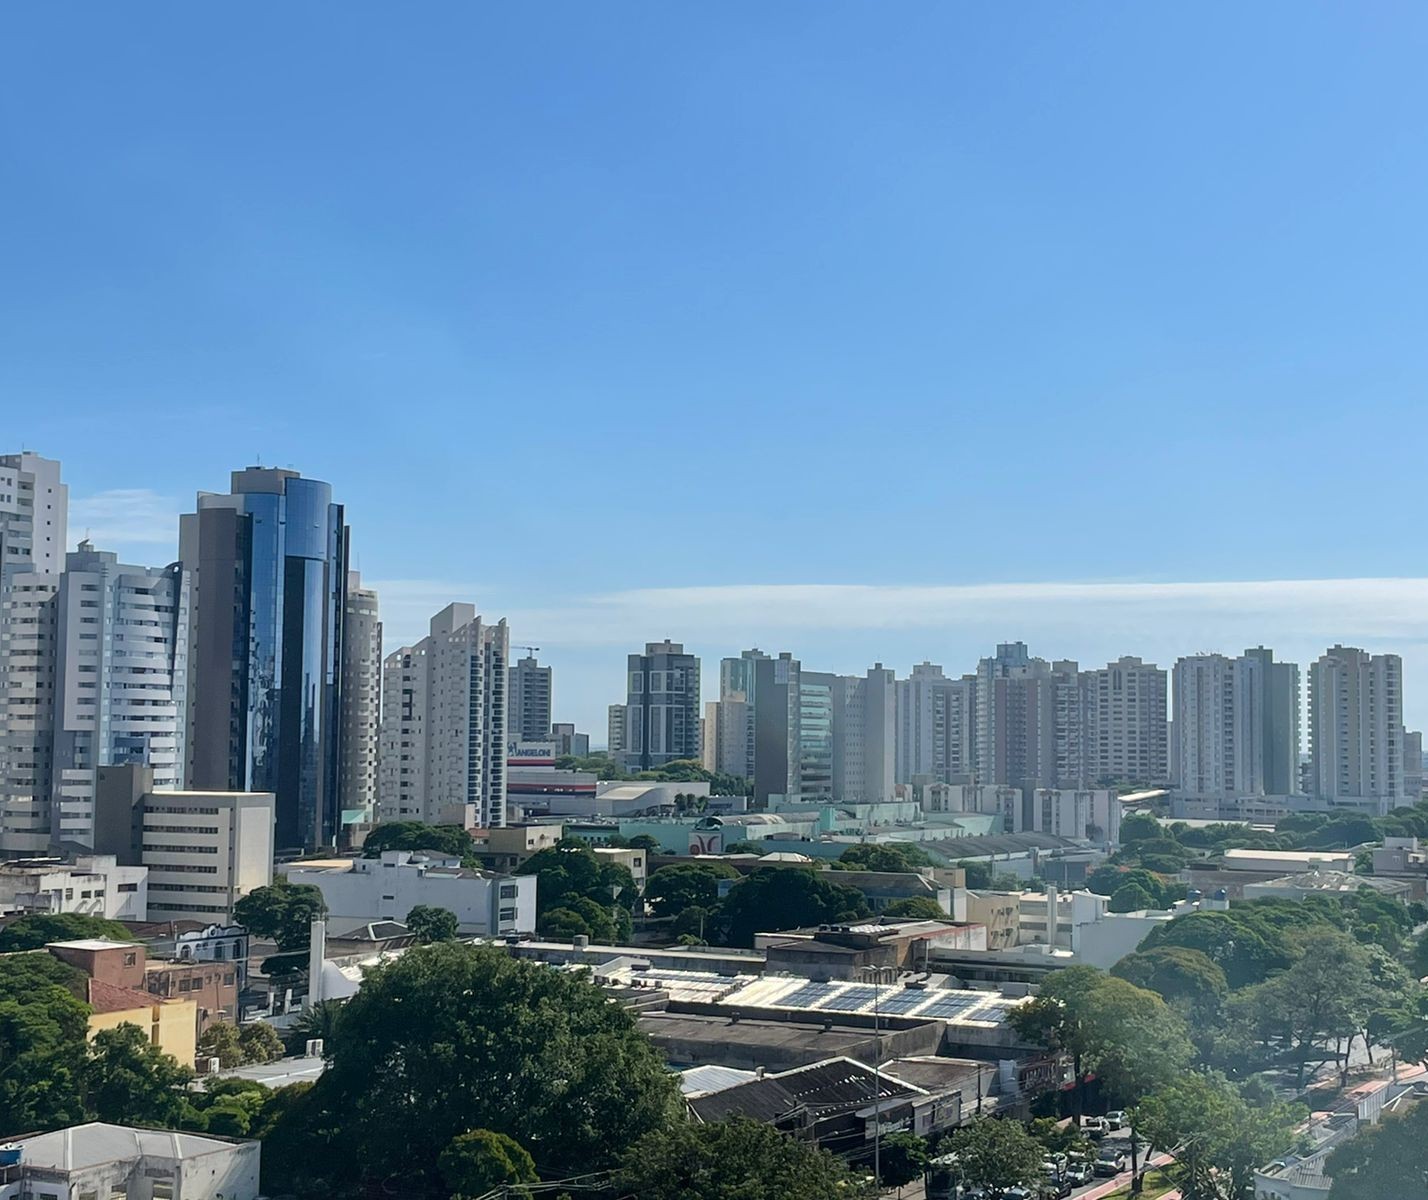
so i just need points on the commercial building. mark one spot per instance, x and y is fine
(268, 569)
(736, 701)
(1127, 735)
(204, 851)
(936, 721)
(444, 721)
(100, 1160)
(1076, 813)
(361, 703)
(528, 700)
(1356, 735)
(567, 740)
(661, 707)
(387, 889)
(93, 884)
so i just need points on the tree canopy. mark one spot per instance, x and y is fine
(916, 908)
(775, 898)
(579, 893)
(39, 929)
(417, 835)
(452, 1038)
(995, 1155)
(672, 889)
(732, 1160)
(479, 1161)
(883, 856)
(282, 911)
(430, 923)
(1387, 1159)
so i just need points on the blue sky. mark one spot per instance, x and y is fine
(587, 309)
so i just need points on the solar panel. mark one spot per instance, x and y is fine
(904, 1000)
(805, 997)
(853, 998)
(946, 1008)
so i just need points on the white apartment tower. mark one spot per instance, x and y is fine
(1126, 733)
(1029, 729)
(121, 679)
(936, 720)
(864, 736)
(1356, 737)
(361, 702)
(444, 721)
(1236, 725)
(34, 514)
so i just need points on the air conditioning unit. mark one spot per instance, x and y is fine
(314, 1048)
(209, 1066)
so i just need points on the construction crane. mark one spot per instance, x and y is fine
(528, 649)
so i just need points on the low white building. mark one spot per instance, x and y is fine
(1084, 814)
(388, 888)
(99, 1160)
(93, 884)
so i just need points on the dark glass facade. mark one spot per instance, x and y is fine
(267, 655)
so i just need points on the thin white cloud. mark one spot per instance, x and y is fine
(124, 517)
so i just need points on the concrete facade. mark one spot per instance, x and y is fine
(93, 884)
(361, 702)
(528, 700)
(204, 851)
(444, 721)
(936, 718)
(662, 707)
(1126, 730)
(387, 889)
(1356, 735)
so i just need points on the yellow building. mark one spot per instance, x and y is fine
(171, 1025)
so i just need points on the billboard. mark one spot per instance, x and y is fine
(531, 754)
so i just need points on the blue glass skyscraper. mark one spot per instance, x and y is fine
(269, 571)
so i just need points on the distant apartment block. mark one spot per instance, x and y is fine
(1125, 723)
(1356, 735)
(661, 707)
(935, 719)
(528, 700)
(94, 885)
(444, 721)
(1029, 727)
(361, 702)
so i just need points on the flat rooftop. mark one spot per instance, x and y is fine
(97, 1144)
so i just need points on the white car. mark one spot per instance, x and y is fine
(1116, 1120)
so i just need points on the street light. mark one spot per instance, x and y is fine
(875, 975)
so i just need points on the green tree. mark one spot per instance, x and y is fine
(282, 911)
(743, 847)
(220, 1040)
(416, 835)
(428, 923)
(480, 1160)
(916, 908)
(1188, 980)
(318, 1022)
(42, 1044)
(1128, 1036)
(902, 1157)
(884, 856)
(259, 1043)
(1218, 1137)
(1384, 1160)
(646, 842)
(1243, 945)
(39, 929)
(672, 889)
(570, 871)
(1130, 897)
(732, 1160)
(995, 1155)
(454, 1037)
(130, 1081)
(775, 898)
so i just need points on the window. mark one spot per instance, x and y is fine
(128, 887)
(130, 960)
(506, 915)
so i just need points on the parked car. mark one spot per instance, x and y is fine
(1094, 1128)
(1110, 1162)
(1116, 1119)
(1078, 1173)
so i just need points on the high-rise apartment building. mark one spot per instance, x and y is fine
(1236, 725)
(1125, 723)
(864, 736)
(361, 702)
(777, 728)
(121, 678)
(34, 514)
(27, 709)
(615, 720)
(268, 568)
(528, 700)
(736, 689)
(728, 732)
(936, 721)
(1356, 736)
(444, 721)
(1029, 727)
(661, 707)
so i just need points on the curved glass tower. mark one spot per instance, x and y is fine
(269, 571)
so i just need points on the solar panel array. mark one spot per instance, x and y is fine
(933, 1004)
